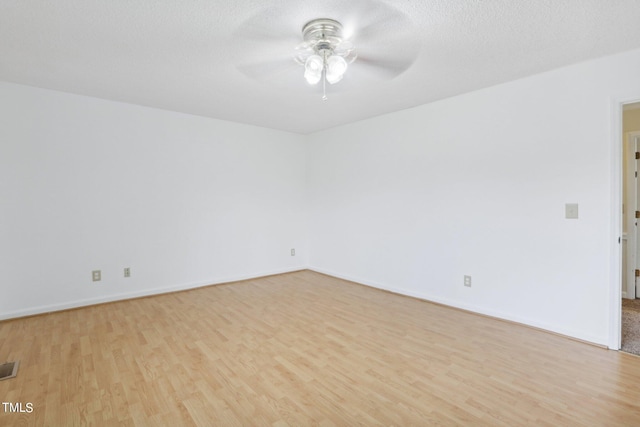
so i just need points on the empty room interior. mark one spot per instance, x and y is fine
(286, 213)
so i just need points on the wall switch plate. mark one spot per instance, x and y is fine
(571, 211)
(293, 252)
(127, 272)
(96, 275)
(467, 281)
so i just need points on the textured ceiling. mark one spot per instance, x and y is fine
(231, 59)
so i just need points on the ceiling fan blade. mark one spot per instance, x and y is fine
(372, 21)
(384, 67)
(383, 41)
(271, 70)
(382, 32)
(264, 26)
(264, 36)
(263, 48)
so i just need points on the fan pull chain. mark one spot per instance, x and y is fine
(324, 86)
(324, 76)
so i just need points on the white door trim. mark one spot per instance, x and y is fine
(615, 249)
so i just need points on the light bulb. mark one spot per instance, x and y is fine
(336, 67)
(313, 69)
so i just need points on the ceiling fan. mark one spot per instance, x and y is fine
(373, 45)
(325, 54)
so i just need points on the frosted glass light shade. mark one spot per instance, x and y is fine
(336, 67)
(313, 69)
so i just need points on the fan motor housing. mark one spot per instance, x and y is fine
(322, 29)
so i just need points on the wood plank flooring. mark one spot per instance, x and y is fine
(305, 349)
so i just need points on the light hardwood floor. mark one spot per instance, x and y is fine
(305, 349)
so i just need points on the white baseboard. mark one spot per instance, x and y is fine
(218, 281)
(142, 293)
(471, 308)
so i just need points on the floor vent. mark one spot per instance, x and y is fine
(8, 370)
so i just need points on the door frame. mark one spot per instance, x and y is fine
(615, 254)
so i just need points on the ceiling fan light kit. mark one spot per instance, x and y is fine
(313, 69)
(324, 52)
(336, 66)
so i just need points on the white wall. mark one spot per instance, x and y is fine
(476, 185)
(183, 201)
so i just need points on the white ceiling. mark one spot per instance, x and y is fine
(193, 56)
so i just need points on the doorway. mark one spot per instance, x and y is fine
(630, 242)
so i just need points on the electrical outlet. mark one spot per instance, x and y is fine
(127, 272)
(96, 275)
(467, 281)
(293, 252)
